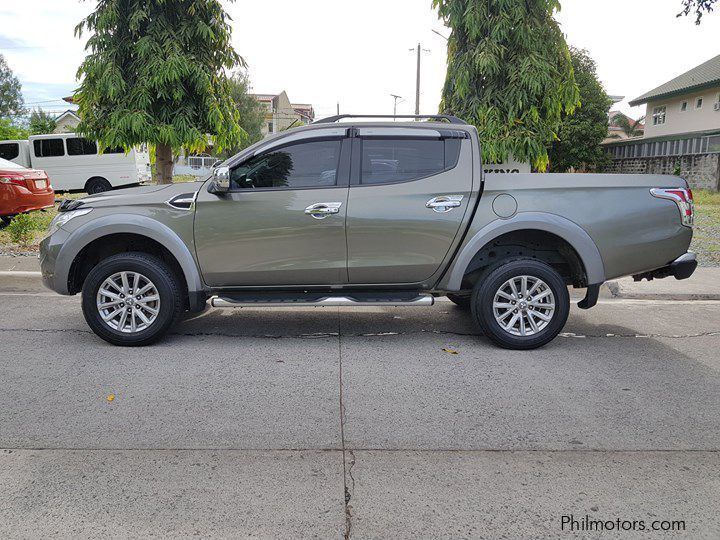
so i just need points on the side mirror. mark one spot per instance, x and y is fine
(221, 180)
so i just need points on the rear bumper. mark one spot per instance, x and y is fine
(681, 268)
(20, 200)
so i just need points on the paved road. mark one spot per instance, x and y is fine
(327, 422)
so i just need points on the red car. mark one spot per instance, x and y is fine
(23, 190)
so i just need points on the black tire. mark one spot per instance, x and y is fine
(6, 219)
(97, 184)
(483, 298)
(165, 281)
(460, 300)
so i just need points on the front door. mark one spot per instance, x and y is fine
(283, 221)
(408, 196)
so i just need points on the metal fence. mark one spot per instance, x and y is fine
(201, 162)
(709, 144)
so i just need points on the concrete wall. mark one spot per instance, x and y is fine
(702, 171)
(676, 121)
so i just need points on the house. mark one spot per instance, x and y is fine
(615, 131)
(682, 130)
(66, 122)
(280, 113)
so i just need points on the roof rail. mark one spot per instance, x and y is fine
(331, 119)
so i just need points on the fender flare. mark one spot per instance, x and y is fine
(130, 224)
(568, 230)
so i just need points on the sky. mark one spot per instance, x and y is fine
(357, 54)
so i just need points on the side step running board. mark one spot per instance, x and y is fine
(323, 300)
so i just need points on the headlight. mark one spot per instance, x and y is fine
(63, 217)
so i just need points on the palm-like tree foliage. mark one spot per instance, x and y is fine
(509, 73)
(156, 72)
(630, 127)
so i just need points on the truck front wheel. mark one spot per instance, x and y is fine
(131, 299)
(522, 304)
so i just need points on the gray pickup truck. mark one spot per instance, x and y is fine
(360, 213)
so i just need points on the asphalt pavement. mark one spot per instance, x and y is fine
(328, 422)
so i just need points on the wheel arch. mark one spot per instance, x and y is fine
(109, 227)
(566, 230)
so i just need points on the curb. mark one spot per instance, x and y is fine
(19, 281)
(616, 291)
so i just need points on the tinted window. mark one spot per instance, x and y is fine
(114, 150)
(399, 160)
(77, 146)
(310, 164)
(9, 150)
(48, 147)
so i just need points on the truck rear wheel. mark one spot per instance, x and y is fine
(131, 299)
(460, 300)
(522, 304)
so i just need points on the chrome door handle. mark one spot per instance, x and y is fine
(444, 203)
(322, 210)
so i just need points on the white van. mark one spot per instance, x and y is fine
(74, 163)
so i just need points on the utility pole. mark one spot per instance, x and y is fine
(395, 104)
(417, 83)
(417, 80)
(338, 108)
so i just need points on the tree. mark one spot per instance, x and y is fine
(41, 122)
(250, 111)
(700, 7)
(10, 130)
(509, 73)
(11, 99)
(155, 73)
(630, 127)
(580, 134)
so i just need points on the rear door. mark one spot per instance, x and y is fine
(410, 189)
(283, 221)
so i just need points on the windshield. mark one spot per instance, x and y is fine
(5, 165)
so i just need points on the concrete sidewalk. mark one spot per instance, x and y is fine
(22, 274)
(19, 263)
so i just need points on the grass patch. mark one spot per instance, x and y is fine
(706, 235)
(26, 230)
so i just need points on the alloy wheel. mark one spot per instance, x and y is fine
(524, 305)
(128, 302)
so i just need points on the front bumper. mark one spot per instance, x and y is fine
(49, 251)
(681, 268)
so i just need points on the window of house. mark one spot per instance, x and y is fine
(48, 147)
(301, 165)
(9, 150)
(714, 144)
(659, 114)
(699, 103)
(270, 127)
(77, 146)
(683, 106)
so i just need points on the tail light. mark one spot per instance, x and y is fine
(13, 179)
(684, 200)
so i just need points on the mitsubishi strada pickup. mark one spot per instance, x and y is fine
(353, 212)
